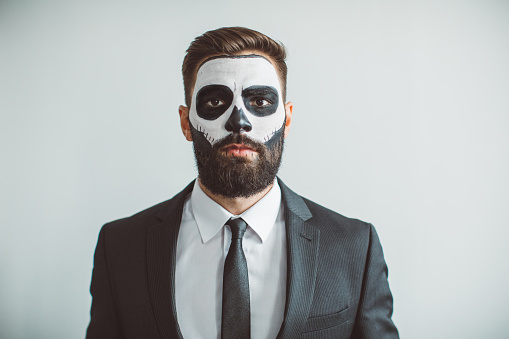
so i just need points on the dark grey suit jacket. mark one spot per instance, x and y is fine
(336, 281)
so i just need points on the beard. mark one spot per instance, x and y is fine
(237, 176)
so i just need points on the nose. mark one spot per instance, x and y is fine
(238, 122)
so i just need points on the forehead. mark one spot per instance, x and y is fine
(240, 70)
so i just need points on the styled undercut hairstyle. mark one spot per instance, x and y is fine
(231, 41)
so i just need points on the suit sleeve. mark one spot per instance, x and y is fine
(103, 318)
(375, 308)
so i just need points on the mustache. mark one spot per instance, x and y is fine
(239, 138)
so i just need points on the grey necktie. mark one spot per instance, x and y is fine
(236, 319)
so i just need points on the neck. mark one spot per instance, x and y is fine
(236, 206)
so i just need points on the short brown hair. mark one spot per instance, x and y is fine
(231, 41)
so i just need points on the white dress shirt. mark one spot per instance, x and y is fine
(202, 245)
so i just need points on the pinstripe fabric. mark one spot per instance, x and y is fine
(162, 292)
(336, 281)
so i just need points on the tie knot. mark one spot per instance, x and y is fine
(238, 227)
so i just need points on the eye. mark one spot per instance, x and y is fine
(215, 103)
(260, 102)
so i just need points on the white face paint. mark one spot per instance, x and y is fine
(237, 95)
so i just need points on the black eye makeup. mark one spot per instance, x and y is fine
(212, 101)
(261, 101)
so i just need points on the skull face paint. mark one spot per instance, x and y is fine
(237, 94)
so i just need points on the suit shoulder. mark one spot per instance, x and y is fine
(353, 235)
(327, 218)
(148, 216)
(322, 217)
(143, 217)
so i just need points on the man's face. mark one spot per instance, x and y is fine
(239, 94)
(237, 119)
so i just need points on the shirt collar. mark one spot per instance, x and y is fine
(211, 217)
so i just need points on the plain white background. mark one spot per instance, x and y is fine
(401, 119)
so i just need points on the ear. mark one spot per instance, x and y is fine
(288, 111)
(184, 122)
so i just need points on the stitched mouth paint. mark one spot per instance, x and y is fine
(237, 94)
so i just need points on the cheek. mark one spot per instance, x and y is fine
(265, 127)
(213, 130)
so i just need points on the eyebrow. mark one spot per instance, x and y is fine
(247, 56)
(214, 89)
(259, 90)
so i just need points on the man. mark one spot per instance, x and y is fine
(237, 254)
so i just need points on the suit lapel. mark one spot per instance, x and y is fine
(161, 261)
(302, 253)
